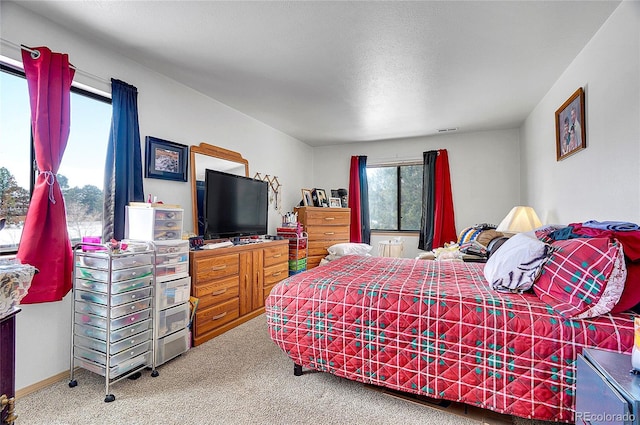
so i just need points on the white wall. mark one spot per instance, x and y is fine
(484, 169)
(167, 110)
(601, 182)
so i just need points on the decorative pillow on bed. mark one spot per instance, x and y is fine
(341, 249)
(583, 277)
(516, 265)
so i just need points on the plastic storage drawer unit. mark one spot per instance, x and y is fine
(98, 261)
(116, 288)
(172, 292)
(173, 319)
(172, 346)
(115, 335)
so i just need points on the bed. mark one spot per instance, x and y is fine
(438, 329)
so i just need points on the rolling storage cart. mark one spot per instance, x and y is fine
(297, 248)
(162, 225)
(113, 314)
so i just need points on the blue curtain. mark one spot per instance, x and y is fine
(364, 199)
(425, 242)
(123, 168)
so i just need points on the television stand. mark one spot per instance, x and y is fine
(232, 283)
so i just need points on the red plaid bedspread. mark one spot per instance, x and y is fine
(437, 329)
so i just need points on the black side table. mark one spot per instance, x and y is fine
(7, 366)
(606, 390)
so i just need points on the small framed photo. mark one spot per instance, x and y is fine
(165, 160)
(307, 199)
(320, 198)
(335, 202)
(570, 126)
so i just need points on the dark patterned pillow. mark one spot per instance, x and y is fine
(582, 277)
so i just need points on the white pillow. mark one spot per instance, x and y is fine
(341, 249)
(516, 265)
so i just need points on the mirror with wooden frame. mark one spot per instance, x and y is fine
(206, 156)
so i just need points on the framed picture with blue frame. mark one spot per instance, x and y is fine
(165, 160)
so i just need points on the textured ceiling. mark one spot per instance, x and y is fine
(330, 72)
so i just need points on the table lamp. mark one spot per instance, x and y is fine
(519, 219)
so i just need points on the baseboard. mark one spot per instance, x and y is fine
(23, 392)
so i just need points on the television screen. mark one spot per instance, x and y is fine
(234, 205)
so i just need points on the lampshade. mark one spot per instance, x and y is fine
(519, 219)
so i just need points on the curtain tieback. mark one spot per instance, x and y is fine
(50, 179)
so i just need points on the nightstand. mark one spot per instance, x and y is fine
(606, 390)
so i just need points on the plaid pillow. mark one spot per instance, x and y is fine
(582, 277)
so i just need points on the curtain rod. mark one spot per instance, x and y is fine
(35, 54)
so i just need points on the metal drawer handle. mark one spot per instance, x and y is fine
(219, 292)
(219, 316)
(218, 268)
(329, 218)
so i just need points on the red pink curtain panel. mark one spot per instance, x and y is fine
(354, 201)
(45, 242)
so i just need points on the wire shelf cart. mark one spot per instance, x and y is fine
(113, 316)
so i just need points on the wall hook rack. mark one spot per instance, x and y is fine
(275, 186)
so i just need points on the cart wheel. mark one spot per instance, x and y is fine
(73, 383)
(109, 398)
(135, 376)
(155, 374)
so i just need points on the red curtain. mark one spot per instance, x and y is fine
(354, 201)
(444, 223)
(45, 242)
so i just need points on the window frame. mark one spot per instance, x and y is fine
(18, 72)
(398, 179)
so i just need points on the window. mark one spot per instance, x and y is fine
(395, 197)
(81, 172)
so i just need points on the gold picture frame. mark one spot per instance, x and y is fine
(570, 126)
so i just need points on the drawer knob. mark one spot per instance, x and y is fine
(219, 316)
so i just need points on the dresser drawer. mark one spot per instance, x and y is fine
(275, 274)
(327, 232)
(216, 292)
(275, 255)
(315, 261)
(333, 217)
(320, 247)
(216, 316)
(217, 267)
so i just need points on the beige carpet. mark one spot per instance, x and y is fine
(240, 377)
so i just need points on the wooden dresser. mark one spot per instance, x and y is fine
(232, 284)
(325, 227)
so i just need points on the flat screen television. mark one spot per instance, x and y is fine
(234, 205)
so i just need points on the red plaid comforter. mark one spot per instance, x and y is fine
(437, 329)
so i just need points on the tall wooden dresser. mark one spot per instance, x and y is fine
(232, 283)
(325, 227)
